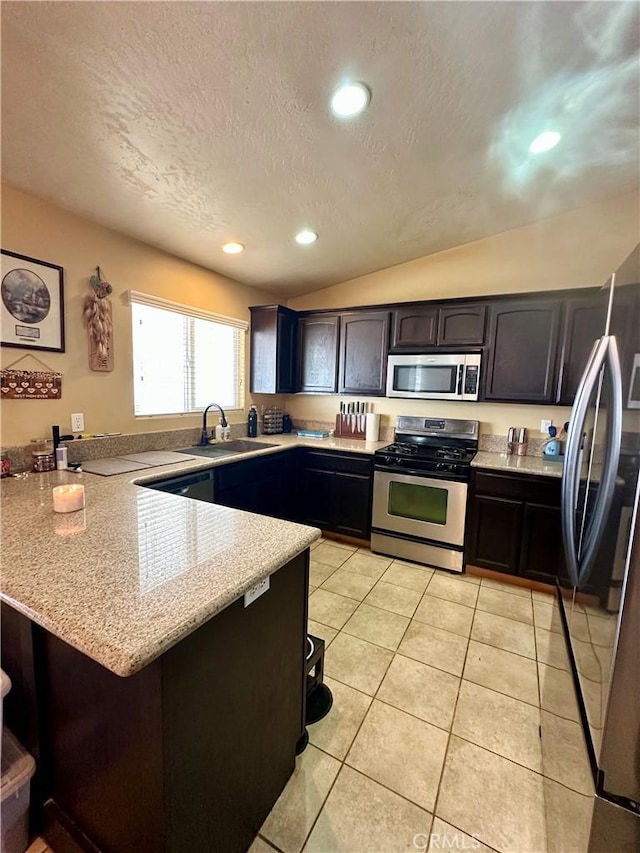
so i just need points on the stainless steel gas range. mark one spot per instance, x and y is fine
(420, 486)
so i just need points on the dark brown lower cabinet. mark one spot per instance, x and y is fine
(266, 485)
(495, 533)
(514, 526)
(542, 554)
(188, 754)
(336, 492)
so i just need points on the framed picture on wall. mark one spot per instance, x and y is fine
(32, 303)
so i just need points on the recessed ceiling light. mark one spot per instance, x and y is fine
(306, 237)
(350, 99)
(233, 248)
(547, 140)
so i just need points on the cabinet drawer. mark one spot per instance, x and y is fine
(542, 490)
(350, 464)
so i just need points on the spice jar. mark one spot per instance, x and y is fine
(521, 449)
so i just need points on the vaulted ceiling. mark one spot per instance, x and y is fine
(186, 124)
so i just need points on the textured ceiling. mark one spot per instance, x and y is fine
(186, 124)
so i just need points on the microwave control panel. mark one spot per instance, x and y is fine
(471, 379)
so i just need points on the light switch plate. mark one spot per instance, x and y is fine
(545, 424)
(77, 422)
(256, 591)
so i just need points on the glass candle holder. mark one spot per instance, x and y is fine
(68, 498)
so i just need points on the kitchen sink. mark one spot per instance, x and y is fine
(230, 448)
(241, 446)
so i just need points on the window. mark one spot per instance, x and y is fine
(184, 358)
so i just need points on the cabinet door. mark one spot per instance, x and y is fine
(413, 328)
(352, 502)
(584, 322)
(461, 325)
(364, 344)
(318, 353)
(319, 498)
(286, 354)
(273, 350)
(495, 531)
(542, 554)
(523, 345)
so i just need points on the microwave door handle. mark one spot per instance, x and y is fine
(460, 378)
(593, 536)
(571, 469)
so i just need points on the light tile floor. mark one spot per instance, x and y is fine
(442, 684)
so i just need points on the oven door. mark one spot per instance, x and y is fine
(419, 505)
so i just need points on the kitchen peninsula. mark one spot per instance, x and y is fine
(163, 708)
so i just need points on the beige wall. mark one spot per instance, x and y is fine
(576, 249)
(572, 250)
(31, 226)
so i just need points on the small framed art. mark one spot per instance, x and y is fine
(31, 304)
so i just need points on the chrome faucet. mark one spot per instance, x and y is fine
(204, 438)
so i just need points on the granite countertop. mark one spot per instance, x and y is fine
(138, 570)
(536, 465)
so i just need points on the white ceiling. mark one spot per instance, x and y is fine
(186, 124)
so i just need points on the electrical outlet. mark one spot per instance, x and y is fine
(544, 425)
(77, 422)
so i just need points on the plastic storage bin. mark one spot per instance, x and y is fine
(17, 769)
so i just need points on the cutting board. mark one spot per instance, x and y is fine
(109, 467)
(157, 457)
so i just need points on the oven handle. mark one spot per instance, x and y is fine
(426, 475)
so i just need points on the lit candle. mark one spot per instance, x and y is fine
(68, 498)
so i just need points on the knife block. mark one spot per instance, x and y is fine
(351, 426)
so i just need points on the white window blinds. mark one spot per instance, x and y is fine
(184, 358)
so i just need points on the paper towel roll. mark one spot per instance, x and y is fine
(372, 429)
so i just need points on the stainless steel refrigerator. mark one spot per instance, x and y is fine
(600, 604)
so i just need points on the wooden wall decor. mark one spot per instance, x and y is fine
(98, 319)
(30, 384)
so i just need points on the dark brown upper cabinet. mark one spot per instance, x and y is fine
(521, 357)
(415, 327)
(461, 325)
(318, 353)
(273, 350)
(584, 323)
(364, 343)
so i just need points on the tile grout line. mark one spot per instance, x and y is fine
(453, 716)
(395, 652)
(342, 761)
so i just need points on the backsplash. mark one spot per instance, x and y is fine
(119, 445)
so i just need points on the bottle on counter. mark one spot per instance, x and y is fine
(521, 449)
(252, 422)
(511, 441)
(219, 431)
(226, 433)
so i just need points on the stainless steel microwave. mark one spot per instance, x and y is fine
(454, 376)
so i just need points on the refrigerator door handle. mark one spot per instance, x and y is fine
(593, 535)
(571, 471)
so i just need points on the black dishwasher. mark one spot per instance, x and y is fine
(198, 485)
